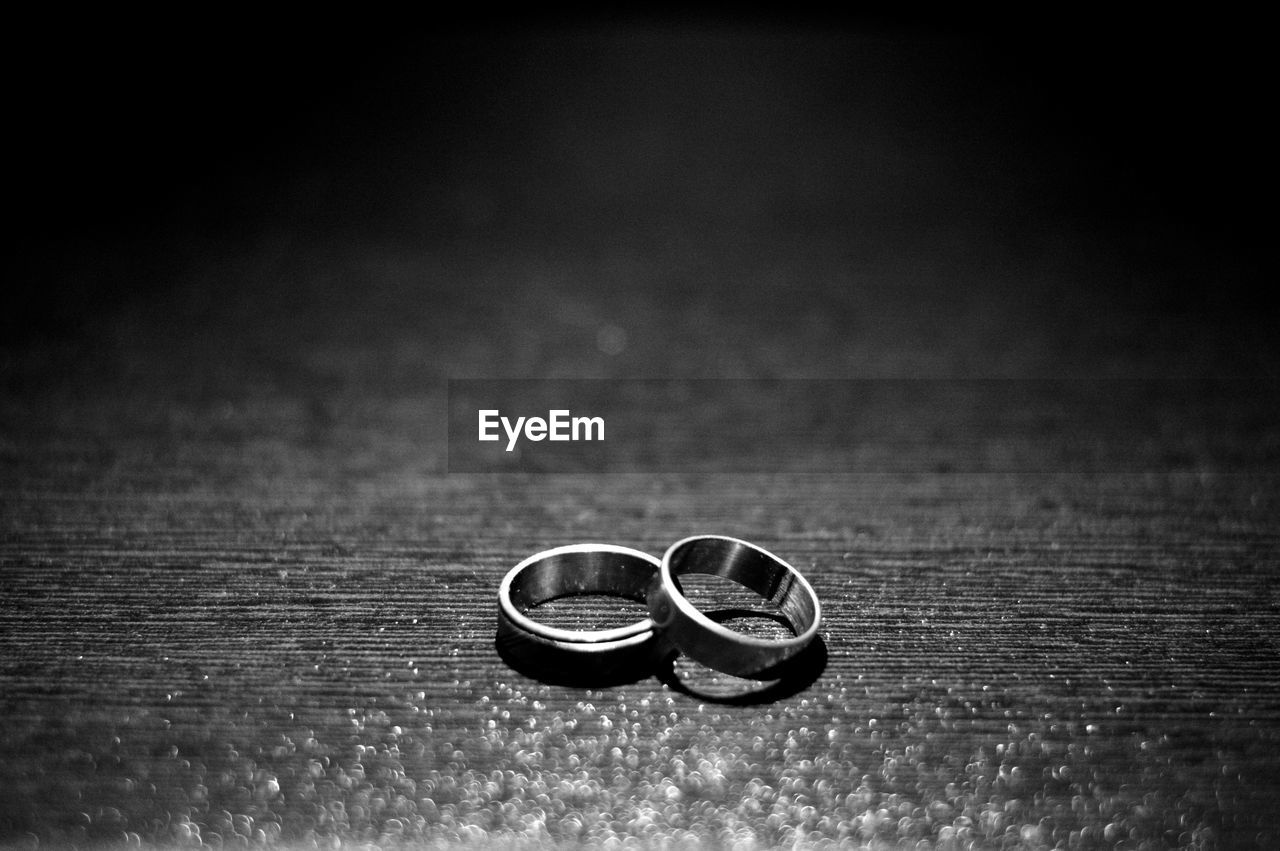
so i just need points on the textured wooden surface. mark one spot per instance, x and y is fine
(242, 603)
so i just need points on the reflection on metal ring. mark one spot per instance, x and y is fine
(703, 639)
(588, 655)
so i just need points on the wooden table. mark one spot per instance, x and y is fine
(243, 602)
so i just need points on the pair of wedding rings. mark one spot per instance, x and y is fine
(674, 622)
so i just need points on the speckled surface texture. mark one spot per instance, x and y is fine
(243, 604)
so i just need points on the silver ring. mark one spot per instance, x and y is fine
(602, 654)
(714, 645)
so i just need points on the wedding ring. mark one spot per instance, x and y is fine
(704, 640)
(599, 654)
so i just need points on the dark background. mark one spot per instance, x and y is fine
(243, 602)
(1145, 136)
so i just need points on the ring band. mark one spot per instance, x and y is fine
(569, 571)
(714, 645)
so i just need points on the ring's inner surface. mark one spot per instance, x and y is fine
(751, 568)
(581, 573)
